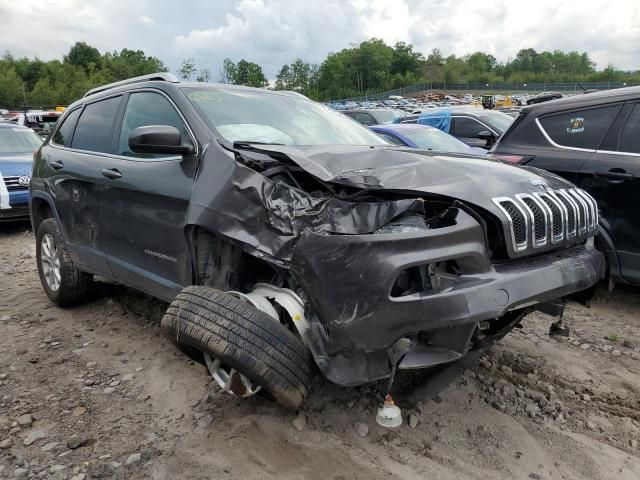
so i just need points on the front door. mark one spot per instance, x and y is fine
(612, 177)
(146, 201)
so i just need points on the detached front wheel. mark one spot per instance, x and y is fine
(245, 349)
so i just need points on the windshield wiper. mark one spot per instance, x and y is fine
(248, 143)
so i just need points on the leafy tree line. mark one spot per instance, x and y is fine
(33, 82)
(368, 67)
(373, 66)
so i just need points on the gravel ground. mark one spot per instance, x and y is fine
(98, 391)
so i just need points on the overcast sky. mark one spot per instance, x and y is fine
(274, 32)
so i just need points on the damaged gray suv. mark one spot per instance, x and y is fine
(287, 237)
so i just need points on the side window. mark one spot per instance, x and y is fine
(365, 118)
(95, 126)
(581, 129)
(390, 138)
(147, 108)
(630, 138)
(467, 127)
(65, 132)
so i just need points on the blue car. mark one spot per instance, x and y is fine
(17, 145)
(424, 137)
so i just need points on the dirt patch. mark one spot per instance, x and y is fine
(102, 393)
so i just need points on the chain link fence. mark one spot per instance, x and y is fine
(491, 88)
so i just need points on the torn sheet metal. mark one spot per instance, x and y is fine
(242, 205)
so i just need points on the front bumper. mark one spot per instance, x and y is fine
(347, 280)
(19, 202)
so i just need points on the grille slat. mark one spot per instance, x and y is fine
(12, 183)
(538, 219)
(538, 216)
(557, 215)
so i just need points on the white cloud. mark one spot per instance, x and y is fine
(274, 32)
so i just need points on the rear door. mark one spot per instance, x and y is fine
(146, 201)
(561, 142)
(612, 176)
(80, 148)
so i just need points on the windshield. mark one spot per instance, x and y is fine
(261, 117)
(384, 117)
(437, 140)
(500, 121)
(18, 140)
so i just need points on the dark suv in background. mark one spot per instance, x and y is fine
(593, 141)
(282, 231)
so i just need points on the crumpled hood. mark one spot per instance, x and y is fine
(471, 179)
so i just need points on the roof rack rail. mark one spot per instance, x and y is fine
(161, 76)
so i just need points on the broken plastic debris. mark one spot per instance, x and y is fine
(389, 415)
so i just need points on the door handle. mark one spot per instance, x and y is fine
(57, 165)
(111, 173)
(615, 174)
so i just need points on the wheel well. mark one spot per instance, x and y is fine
(223, 265)
(604, 243)
(40, 211)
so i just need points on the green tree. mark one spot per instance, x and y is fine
(187, 69)
(405, 59)
(229, 71)
(11, 88)
(250, 74)
(83, 55)
(284, 78)
(204, 75)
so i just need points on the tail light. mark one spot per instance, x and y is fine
(514, 159)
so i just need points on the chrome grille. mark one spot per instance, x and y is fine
(536, 220)
(13, 184)
(518, 220)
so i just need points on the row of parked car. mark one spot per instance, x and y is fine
(285, 234)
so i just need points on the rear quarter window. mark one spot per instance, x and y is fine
(581, 128)
(65, 132)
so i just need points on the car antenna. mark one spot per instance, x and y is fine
(584, 89)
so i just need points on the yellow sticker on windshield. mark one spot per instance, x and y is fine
(205, 97)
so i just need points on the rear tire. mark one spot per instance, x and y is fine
(61, 280)
(243, 338)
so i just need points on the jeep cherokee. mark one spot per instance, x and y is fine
(286, 235)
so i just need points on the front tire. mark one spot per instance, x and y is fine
(244, 339)
(61, 280)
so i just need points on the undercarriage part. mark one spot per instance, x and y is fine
(553, 308)
(291, 303)
(247, 349)
(389, 415)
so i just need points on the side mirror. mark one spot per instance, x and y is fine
(158, 139)
(486, 135)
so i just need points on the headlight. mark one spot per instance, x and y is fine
(410, 223)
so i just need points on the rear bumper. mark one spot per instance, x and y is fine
(348, 279)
